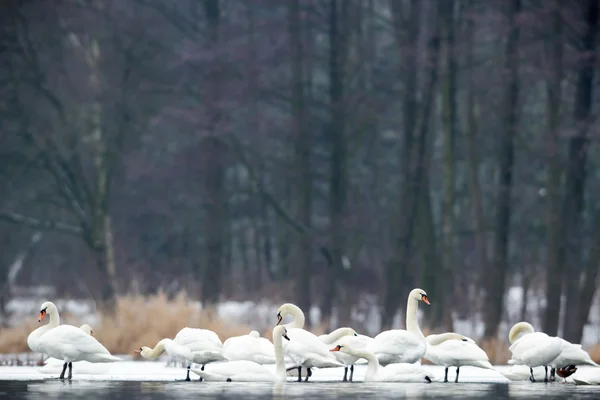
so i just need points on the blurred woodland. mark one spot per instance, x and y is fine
(312, 151)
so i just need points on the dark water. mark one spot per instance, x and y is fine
(53, 389)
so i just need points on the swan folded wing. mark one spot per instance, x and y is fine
(402, 372)
(304, 346)
(397, 345)
(67, 341)
(463, 351)
(192, 335)
(176, 350)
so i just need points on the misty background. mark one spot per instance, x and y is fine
(330, 153)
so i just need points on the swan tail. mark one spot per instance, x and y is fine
(109, 358)
(579, 381)
(592, 363)
(207, 376)
(512, 362)
(484, 364)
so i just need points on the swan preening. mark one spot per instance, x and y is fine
(534, 349)
(66, 342)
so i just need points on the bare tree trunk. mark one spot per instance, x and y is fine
(302, 151)
(475, 194)
(576, 177)
(495, 282)
(445, 284)
(338, 159)
(214, 175)
(395, 267)
(555, 251)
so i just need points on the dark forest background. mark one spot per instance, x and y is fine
(313, 151)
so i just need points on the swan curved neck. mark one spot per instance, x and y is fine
(518, 328)
(298, 316)
(373, 363)
(412, 323)
(157, 350)
(434, 340)
(336, 335)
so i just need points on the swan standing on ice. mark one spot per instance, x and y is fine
(53, 365)
(453, 350)
(248, 371)
(200, 346)
(68, 343)
(533, 349)
(398, 345)
(401, 372)
(304, 348)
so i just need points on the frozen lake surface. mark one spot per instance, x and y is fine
(154, 381)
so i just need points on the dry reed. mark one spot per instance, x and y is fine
(137, 321)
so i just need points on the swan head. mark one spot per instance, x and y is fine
(287, 308)
(280, 330)
(144, 351)
(340, 347)
(87, 329)
(419, 295)
(518, 328)
(46, 308)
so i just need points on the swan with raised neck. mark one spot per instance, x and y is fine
(412, 323)
(49, 309)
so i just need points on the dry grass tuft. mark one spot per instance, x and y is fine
(137, 321)
(595, 353)
(497, 350)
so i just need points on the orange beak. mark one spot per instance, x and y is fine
(336, 348)
(279, 318)
(42, 315)
(425, 300)
(137, 351)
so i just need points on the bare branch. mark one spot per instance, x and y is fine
(35, 223)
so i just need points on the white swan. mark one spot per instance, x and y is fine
(248, 371)
(200, 346)
(70, 344)
(453, 350)
(358, 342)
(251, 347)
(304, 348)
(398, 345)
(571, 354)
(400, 372)
(53, 365)
(47, 308)
(533, 349)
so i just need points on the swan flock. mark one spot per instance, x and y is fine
(391, 356)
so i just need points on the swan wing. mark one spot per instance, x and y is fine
(535, 349)
(67, 342)
(403, 372)
(397, 346)
(305, 348)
